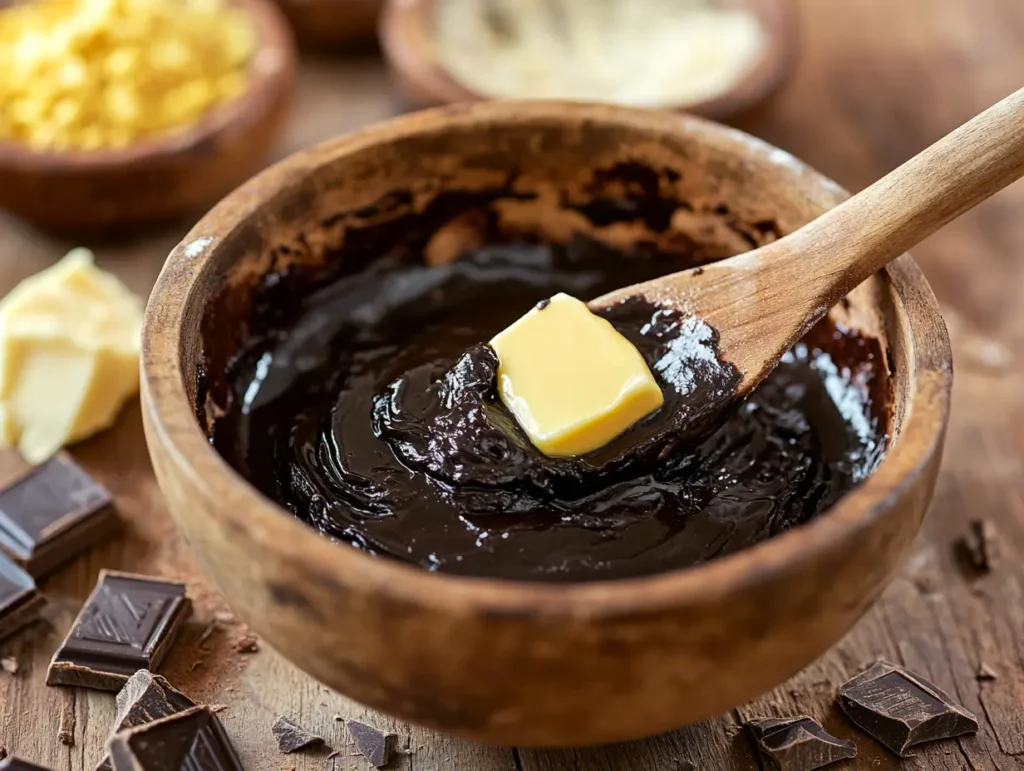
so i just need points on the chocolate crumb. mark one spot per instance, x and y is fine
(66, 728)
(291, 737)
(375, 745)
(698, 271)
(9, 664)
(981, 545)
(339, 718)
(543, 304)
(247, 644)
(985, 672)
(215, 708)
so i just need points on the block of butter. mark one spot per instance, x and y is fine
(69, 355)
(571, 380)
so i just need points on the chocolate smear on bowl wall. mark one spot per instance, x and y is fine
(901, 709)
(798, 743)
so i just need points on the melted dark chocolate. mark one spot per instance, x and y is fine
(367, 407)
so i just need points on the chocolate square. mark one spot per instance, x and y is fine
(128, 623)
(20, 600)
(145, 698)
(53, 514)
(194, 738)
(901, 709)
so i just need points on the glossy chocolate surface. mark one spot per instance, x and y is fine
(337, 410)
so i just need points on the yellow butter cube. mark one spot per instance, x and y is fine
(571, 380)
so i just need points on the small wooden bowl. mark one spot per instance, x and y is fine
(165, 177)
(519, 662)
(407, 38)
(326, 24)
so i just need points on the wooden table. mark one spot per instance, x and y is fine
(878, 80)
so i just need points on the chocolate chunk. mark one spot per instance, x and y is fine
(53, 514)
(145, 697)
(291, 737)
(798, 743)
(128, 623)
(14, 764)
(901, 709)
(375, 745)
(981, 545)
(20, 601)
(193, 739)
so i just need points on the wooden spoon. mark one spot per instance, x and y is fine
(763, 301)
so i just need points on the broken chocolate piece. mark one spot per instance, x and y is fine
(901, 709)
(193, 739)
(373, 744)
(53, 514)
(798, 743)
(14, 764)
(291, 737)
(982, 545)
(128, 623)
(20, 601)
(145, 697)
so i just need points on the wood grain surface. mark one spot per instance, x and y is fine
(877, 82)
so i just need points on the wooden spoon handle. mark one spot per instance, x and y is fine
(848, 244)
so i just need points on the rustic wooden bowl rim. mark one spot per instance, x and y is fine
(174, 426)
(274, 40)
(407, 41)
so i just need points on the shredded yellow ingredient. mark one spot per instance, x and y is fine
(92, 74)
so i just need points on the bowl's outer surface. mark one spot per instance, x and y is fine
(406, 37)
(522, 663)
(159, 179)
(323, 24)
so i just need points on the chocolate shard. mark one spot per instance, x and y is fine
(291, 737)
(20, 600)
(193, 739)
(15, 764)
(127, 624)
(53, 514)
(378, 747)
(145, 697)
(901, 709)
(798, 743)
(982, 545)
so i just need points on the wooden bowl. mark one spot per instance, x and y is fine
(326, 24)
(407, 39)
(164, 177)
(517, 662)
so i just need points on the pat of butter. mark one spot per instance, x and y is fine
(69, 355)
(571, 379)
